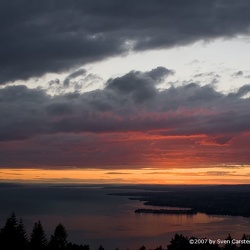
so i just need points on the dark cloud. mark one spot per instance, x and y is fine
(210, 77)
(114, 129)
(117, 173)
(159, 74)
(72, 76)
(78, 80)
(238, 74)
(139, 86)
(245, 89)
(224, 140)
(54, 82)
(54, 36)
(128, 103)
(208, 74)
(218, 173)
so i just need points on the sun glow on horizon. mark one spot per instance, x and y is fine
(208, 175)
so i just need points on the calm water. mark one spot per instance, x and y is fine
(93, 217)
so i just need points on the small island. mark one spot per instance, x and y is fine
(166, 211)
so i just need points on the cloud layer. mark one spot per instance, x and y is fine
(131, 102)
(54, 36)
(131, 116)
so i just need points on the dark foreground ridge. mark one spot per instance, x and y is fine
(13, 236)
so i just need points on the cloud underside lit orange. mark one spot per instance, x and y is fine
(131, 157)
(129, 150)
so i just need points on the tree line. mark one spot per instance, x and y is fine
(13, 236)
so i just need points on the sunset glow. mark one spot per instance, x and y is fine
(110, 93)
(126, 122)
(216, 175)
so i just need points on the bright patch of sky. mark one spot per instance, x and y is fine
(223, 63)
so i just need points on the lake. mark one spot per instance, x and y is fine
(92, 217)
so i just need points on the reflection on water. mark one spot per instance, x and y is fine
(92, 217)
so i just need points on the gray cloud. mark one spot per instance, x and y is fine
(78, 80)
(209, 74)
(80, 72)
(242, 91)
(54, 36)
(129, 117)
(238, 74)
(140, 86)
(55, 82)
(159, 74)
(117, 173)
(128, 103)
(231, 173)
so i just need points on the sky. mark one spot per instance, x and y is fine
(125, 91)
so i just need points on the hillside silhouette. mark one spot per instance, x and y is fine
(13, 236)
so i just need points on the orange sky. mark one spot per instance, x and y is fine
(113, 94)
(215, 175)
(132, 157)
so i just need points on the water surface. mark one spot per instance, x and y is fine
(93, 217)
